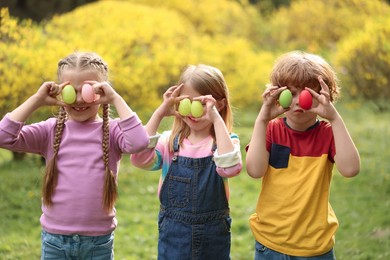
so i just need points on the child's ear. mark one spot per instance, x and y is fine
(221, 104)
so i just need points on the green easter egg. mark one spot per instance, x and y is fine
(196, 108)
(184, 107)
(69, 94)
(285, 98)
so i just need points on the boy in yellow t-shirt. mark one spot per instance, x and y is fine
(295, 155)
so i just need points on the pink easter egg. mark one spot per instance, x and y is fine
(88, 93)
(305, 99)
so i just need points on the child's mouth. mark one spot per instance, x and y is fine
(80, 109)
(194, 120)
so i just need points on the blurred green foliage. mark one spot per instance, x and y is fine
(147, 43)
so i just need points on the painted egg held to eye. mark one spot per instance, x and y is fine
(305, 99)
(184, 107)
(88, 93)
(68, 94)
(196, 108)
(285, 98)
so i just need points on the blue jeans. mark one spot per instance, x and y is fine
(265, 253)
(77, 247)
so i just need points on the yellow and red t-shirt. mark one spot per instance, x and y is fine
(293, 215)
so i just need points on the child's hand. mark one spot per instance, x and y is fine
(323, 106)
(170, 99)
(271, 108)
(104, 91)
(48, 92)
(210, 111)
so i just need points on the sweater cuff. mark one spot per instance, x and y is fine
(228, 159)
(153, 140)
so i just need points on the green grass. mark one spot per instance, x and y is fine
(362, 204)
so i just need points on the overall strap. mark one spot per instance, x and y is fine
(175, 147)
(176, 143)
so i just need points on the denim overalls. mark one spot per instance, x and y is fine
(194, 220)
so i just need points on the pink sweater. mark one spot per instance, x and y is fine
(77, 201)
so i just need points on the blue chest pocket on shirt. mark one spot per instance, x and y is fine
(279, 156)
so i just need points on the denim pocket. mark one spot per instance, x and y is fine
(279, 156)
(103, 248)
(50, 251)
(179, 191)
(52, 247)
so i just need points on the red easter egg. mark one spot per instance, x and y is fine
(88, 93)
(305, 99)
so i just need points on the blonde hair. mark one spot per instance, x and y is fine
(206, 80)
(81, 61)
(301, 69)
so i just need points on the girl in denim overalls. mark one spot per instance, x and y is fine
(197, 157)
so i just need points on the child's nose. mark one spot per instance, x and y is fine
(294, 100)
(79, 98)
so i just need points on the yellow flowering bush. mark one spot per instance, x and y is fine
(224, 17)
(23, 65)
(364, 62)
(145, 46)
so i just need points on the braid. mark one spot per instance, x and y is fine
(99, 63)
(110, 192)
(92, 61)
(67, 62)
(51, 173)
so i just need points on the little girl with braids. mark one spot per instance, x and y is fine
(82, 153)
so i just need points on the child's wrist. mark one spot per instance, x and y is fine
(263, 119)
(37, 100)
(336, 118)
(217, 119)
(160, 113)
(116, 100)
